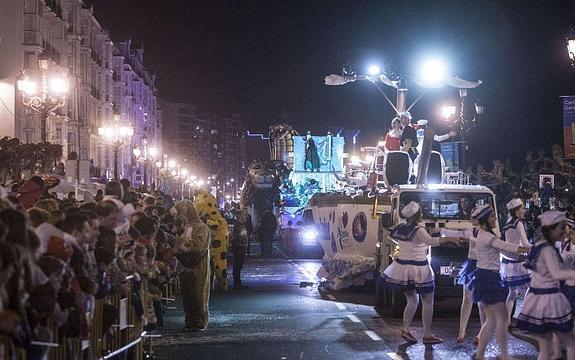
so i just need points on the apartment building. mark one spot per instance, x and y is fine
(206, 144)
(104, 76)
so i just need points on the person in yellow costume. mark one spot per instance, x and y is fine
(208, 212)
(192, 250)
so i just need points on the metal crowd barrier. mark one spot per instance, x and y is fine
(127, 335)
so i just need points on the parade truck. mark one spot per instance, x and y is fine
(354, 233)
(443, 207)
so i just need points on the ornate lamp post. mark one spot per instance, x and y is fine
(571, 48)
(146, 155)
(46, 93)
(116, 136)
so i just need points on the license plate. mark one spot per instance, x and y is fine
(445, 270)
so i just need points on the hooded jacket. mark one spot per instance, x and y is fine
(196, 237)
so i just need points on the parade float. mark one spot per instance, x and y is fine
(352, 218)
(347, 204)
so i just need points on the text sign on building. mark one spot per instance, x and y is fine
(569, 126)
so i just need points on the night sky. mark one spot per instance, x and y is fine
(267, 60)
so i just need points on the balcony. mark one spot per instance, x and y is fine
(94, 92)
(54, 7)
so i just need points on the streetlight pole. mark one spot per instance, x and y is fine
(116, 148)
(116, 136)
(145, 157)
(571, 47)
(47, 96)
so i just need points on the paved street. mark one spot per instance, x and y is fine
(276, 319)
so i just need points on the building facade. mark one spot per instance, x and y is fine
(208, 145)
(104, 78)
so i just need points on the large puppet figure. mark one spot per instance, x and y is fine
(208, 212)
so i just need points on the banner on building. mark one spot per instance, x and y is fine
(569, 126)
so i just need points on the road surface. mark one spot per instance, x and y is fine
(275, 318)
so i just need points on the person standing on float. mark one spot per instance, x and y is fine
(408, 140)
(489, 291)
(393, 136)
(515, 276)
(411, 271)
(546, 310)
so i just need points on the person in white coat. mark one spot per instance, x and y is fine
(514, 275)
(546, 310)
(411, 271)
(489, 291)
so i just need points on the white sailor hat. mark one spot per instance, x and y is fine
(422, 122)
(481, 212)
(410, 209)
(570, 223)
(404, 114)
(514, 203)
(552, 217)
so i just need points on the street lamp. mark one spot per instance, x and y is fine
(374, 70)
(145, 156)
(571, 48)
(448, 111)
(116, 136)
(433, 73)
(47, 94)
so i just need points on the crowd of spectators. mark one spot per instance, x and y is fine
(543, 182)
(58, 257)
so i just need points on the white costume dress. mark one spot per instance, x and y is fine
(546, 308)
(466, 275)
(489, 288)
(411, 269)
(513, 273)
(568, 256)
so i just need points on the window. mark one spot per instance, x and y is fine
(29, 59)
(446, 205)
(30, 6)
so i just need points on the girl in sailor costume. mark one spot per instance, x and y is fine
(546, 310)
(489, 291)
(568, 257)
(567, 250)
(412, 273)
(515, 276)
(466, 276)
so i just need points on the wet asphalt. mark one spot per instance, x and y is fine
(275, 318)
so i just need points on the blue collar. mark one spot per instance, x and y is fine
(512, 224)
(531, 261)
(404, 232)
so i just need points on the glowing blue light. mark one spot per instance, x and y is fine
(374, 70)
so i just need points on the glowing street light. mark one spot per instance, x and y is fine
(571, 48)
(433, 72)
(47, 94)
(116, 136)
(145, 156)
(374, 70)
(172, 164)
(448, 111)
